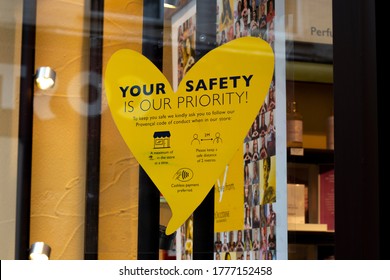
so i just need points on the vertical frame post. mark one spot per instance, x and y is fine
(26, 112)
(149, 195)
(91, 229)
(203, 246)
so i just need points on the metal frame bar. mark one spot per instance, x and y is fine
(26, 111)
(149, 195)
(203, 245)
(91, 230)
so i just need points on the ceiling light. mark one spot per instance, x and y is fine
(45, 77)
(40, 251)
(170, 4)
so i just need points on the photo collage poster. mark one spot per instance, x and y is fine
(255, 239)
(183, 40)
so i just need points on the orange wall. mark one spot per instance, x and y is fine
(60, 135)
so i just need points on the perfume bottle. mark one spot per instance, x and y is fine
(294, 127)
(330, 133)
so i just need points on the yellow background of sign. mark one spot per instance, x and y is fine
(184, 139)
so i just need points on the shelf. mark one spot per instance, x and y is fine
(298, 71)
(308, 227)
(310, 156)
(311, 237)
(309, 52)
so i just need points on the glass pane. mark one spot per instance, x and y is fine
(309, 94)
(86, 182)
(10, 30)
(246, 222)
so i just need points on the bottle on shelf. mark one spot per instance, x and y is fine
(294, 127)
(330, 133)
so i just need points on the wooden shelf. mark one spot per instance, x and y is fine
(308, 227)
(309, 52)
(311, 237)
(311, 156)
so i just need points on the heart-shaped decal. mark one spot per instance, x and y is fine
(184, 139)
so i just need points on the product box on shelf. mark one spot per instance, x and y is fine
(326, 198)
(296, 203)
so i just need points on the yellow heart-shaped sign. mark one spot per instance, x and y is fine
(184, 139)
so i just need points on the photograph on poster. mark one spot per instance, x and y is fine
(183, 42)
(184, 243)
(235, 19)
